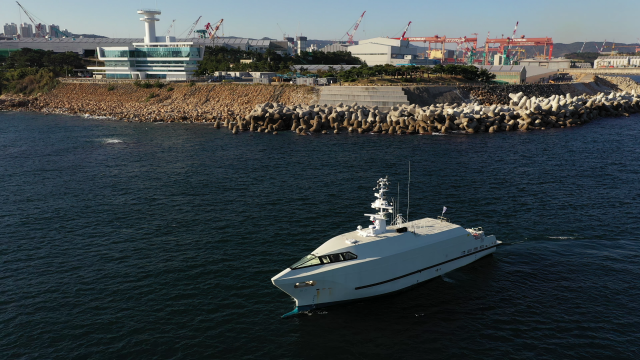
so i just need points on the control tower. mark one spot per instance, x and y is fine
(149, 24)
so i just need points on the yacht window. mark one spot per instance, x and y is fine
(336, 257)
(311, 260)
(308, 260)
(349, 256)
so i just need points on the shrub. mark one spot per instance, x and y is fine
(158, 84)
(143, 85)
(110, 88)
(29, 81)
(191, 83)
(150, 96)
(170, 88)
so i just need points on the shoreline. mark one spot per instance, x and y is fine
(269, 109)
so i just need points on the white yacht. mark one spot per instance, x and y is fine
(381, 259)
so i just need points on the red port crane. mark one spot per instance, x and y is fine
(37, 25)
(405, 31)
(440, 40)
(522, 41)
(355, 28)
(212, 30)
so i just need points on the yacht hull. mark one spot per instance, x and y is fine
(371, 276)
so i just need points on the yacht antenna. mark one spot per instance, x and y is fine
(398, 198)
(408, 191)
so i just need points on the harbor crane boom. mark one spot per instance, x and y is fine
(59, 32)
(405, 31)
(194, 26)
(37, 25)
(170, 27)
(515, 30)
(212, 30)
(602, 49)
(355, 28)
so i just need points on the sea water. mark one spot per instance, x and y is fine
(133, 240)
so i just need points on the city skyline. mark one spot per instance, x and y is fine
(330, 20)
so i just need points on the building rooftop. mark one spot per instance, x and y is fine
(502, 68)
(324, 67)
(545, 60)
(617, 57)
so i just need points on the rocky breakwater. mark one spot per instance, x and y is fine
(13, 103)
(520, 113)
(173, 103)
(500, 94)
(621, 83)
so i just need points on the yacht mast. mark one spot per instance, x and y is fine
(409, 191)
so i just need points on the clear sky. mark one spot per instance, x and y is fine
(564, 20)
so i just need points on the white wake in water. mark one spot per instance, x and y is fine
(112, 141)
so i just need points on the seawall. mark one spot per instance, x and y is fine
(267, 108)
(175, 102)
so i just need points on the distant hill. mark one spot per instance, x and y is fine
(562, 49)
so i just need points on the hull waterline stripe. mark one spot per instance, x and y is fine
(427, 268)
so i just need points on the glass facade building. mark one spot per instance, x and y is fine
(156, 58)
(170, 61)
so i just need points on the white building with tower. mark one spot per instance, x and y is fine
(157, 57)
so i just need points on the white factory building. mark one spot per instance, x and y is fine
(616, 61)
(553, 64)
(158, 57)
(382, 51)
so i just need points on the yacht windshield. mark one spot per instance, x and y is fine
(311, 260)
(308, 260)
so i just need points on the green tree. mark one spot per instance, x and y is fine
(438, 69)
(485, 76)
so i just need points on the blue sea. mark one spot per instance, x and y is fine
(158, 241)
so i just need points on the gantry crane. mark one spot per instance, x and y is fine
(503, 43)
(439, 40)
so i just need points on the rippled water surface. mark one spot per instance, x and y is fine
(127, 240)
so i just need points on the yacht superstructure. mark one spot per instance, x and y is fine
(381, 259)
